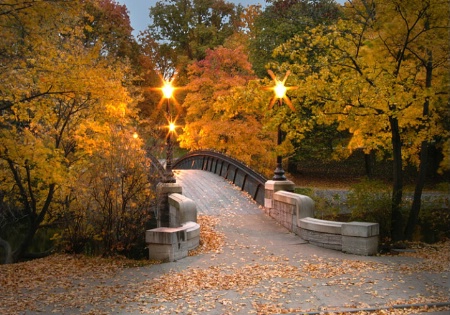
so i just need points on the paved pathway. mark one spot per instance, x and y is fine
(262, 269)
(213, 194)
(332, 279)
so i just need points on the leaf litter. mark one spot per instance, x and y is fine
(93, 285)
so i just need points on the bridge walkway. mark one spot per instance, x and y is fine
(214, 195)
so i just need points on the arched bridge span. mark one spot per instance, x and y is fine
(229, 168)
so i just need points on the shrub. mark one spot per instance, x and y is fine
(324, 208)
(111, 202)
(370, 201)
(434, 219)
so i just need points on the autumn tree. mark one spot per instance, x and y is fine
(52, 84)
(225, 109)
(107, 24)
(381, 73)
(183, 31)
(280, 21)
(193, 26)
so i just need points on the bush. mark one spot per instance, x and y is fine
(434, 220)
(324, 208)
(111, 202)
(370, 201)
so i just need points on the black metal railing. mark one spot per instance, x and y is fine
(229, 168)
(158, 169)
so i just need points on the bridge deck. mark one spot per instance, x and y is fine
(214, 195)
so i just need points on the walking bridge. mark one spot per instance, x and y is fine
(215, 195)
(198, 186)
(228, 168)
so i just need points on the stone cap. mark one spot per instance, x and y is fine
(187, 209)
(323, 226)
(170, 235)
(277, 185)
(304, 206)
(169, 188)
(360, 229)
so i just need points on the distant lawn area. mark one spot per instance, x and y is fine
(343, 174)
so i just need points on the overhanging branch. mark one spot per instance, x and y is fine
(8, 104)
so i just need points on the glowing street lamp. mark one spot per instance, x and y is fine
(280, 90)
(279, 95)
(167, 91)
(172, 127)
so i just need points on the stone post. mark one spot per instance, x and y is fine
(163, 190)
(273, 186)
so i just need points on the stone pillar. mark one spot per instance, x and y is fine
(273, 186)
(163, 190)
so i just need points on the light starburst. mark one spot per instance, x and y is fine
(280, 90)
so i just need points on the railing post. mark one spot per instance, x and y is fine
(163, 190)
(221, 167)
(271, 187)
(243, 182)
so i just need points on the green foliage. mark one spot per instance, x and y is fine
(281, 21)
(434, 219)
(443, 187)
(320, 143)
(324, 208)
(192, 27)
(304, 191)
(370, 201)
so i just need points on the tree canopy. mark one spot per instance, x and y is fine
(192, 27)
(225, 109)
(381, 73)
(61, 86)
(280, 21)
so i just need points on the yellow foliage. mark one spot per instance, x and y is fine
(59, 96)
(370, 68)
(226, 110)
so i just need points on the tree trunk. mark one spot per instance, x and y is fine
(423, 166)
(417, 199)
(8, 252)
(19, 253)
(368, 163)
(35, 221)
(397, 189)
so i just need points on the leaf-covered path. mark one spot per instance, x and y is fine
(253, 266)
(213, 194)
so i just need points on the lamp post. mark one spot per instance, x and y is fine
(280, 92)
(168, 186)
(167, 90)
(279, 95)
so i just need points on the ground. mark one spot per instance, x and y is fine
(90, 285)
(85, 285)
(343, 174)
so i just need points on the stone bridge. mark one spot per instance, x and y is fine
(211, 183)
(227, 167)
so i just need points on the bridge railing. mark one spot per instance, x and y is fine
(158, 169)
(229, 168)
